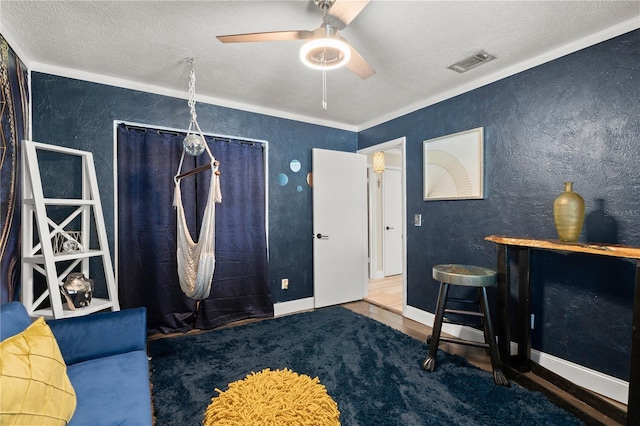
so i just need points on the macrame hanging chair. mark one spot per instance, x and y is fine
(196, 260)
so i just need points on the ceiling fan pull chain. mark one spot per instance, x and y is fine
(324, 90)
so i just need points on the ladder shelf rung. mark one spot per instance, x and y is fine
(95, 306)
(60, 202)
(64, 256)
(68, 202)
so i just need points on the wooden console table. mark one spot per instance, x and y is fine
(521, 247)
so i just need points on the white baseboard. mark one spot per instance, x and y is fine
(292, 306)
(595, 381)
(377, 275)
(609, 386)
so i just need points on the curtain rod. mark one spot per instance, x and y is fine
(176, 132)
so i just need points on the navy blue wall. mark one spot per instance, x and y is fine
(576, 119)
(80, 114)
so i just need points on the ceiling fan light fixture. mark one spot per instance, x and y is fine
(325, 53)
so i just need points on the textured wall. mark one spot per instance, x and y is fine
(576, 119)
(80, 114)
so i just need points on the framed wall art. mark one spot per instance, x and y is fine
(454, 167)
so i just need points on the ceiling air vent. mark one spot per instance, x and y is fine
(471, 62)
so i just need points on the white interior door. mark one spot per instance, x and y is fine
(392, 218)
(339, 226)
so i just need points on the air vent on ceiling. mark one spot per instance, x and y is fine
(472, 62)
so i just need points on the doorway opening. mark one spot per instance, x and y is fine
(386, 201)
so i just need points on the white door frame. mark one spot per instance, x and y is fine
(399, 143)
(389, 209)
(374, 235)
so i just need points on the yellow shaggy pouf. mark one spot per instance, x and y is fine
(280, 397)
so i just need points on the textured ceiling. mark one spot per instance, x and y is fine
(144, 44)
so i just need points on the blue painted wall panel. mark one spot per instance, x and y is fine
(80, 114)
(576, 119)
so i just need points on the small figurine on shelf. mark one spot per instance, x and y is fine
(78, 290)
(67, 242)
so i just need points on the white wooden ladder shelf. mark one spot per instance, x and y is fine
(62, 235)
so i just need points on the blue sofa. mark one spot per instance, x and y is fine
(106, 361)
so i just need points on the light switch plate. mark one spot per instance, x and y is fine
(417, 220)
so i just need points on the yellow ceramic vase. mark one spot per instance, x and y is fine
(568, 213)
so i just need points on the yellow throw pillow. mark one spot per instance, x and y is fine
(34, 386)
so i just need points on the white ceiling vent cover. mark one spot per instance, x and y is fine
(471, 62)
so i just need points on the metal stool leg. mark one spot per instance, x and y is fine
(429, 363)
(498, 375)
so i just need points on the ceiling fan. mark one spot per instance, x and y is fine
(326, 49)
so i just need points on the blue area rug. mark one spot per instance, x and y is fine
(371, 370)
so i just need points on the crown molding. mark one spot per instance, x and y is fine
(588, 41)
(158, 90)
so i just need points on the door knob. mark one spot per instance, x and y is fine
(390, 227)
(322, 237)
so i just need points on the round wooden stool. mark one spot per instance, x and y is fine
(467, 276)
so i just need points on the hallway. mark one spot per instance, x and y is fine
(387, 293)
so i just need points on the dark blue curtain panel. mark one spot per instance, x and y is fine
(147, 269)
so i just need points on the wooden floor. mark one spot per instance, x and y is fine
(387, 293)
(476, 356)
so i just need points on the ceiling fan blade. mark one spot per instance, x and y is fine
(357, 64)
(342, 12)
(266, 36)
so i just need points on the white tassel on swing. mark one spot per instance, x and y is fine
(196, 260)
